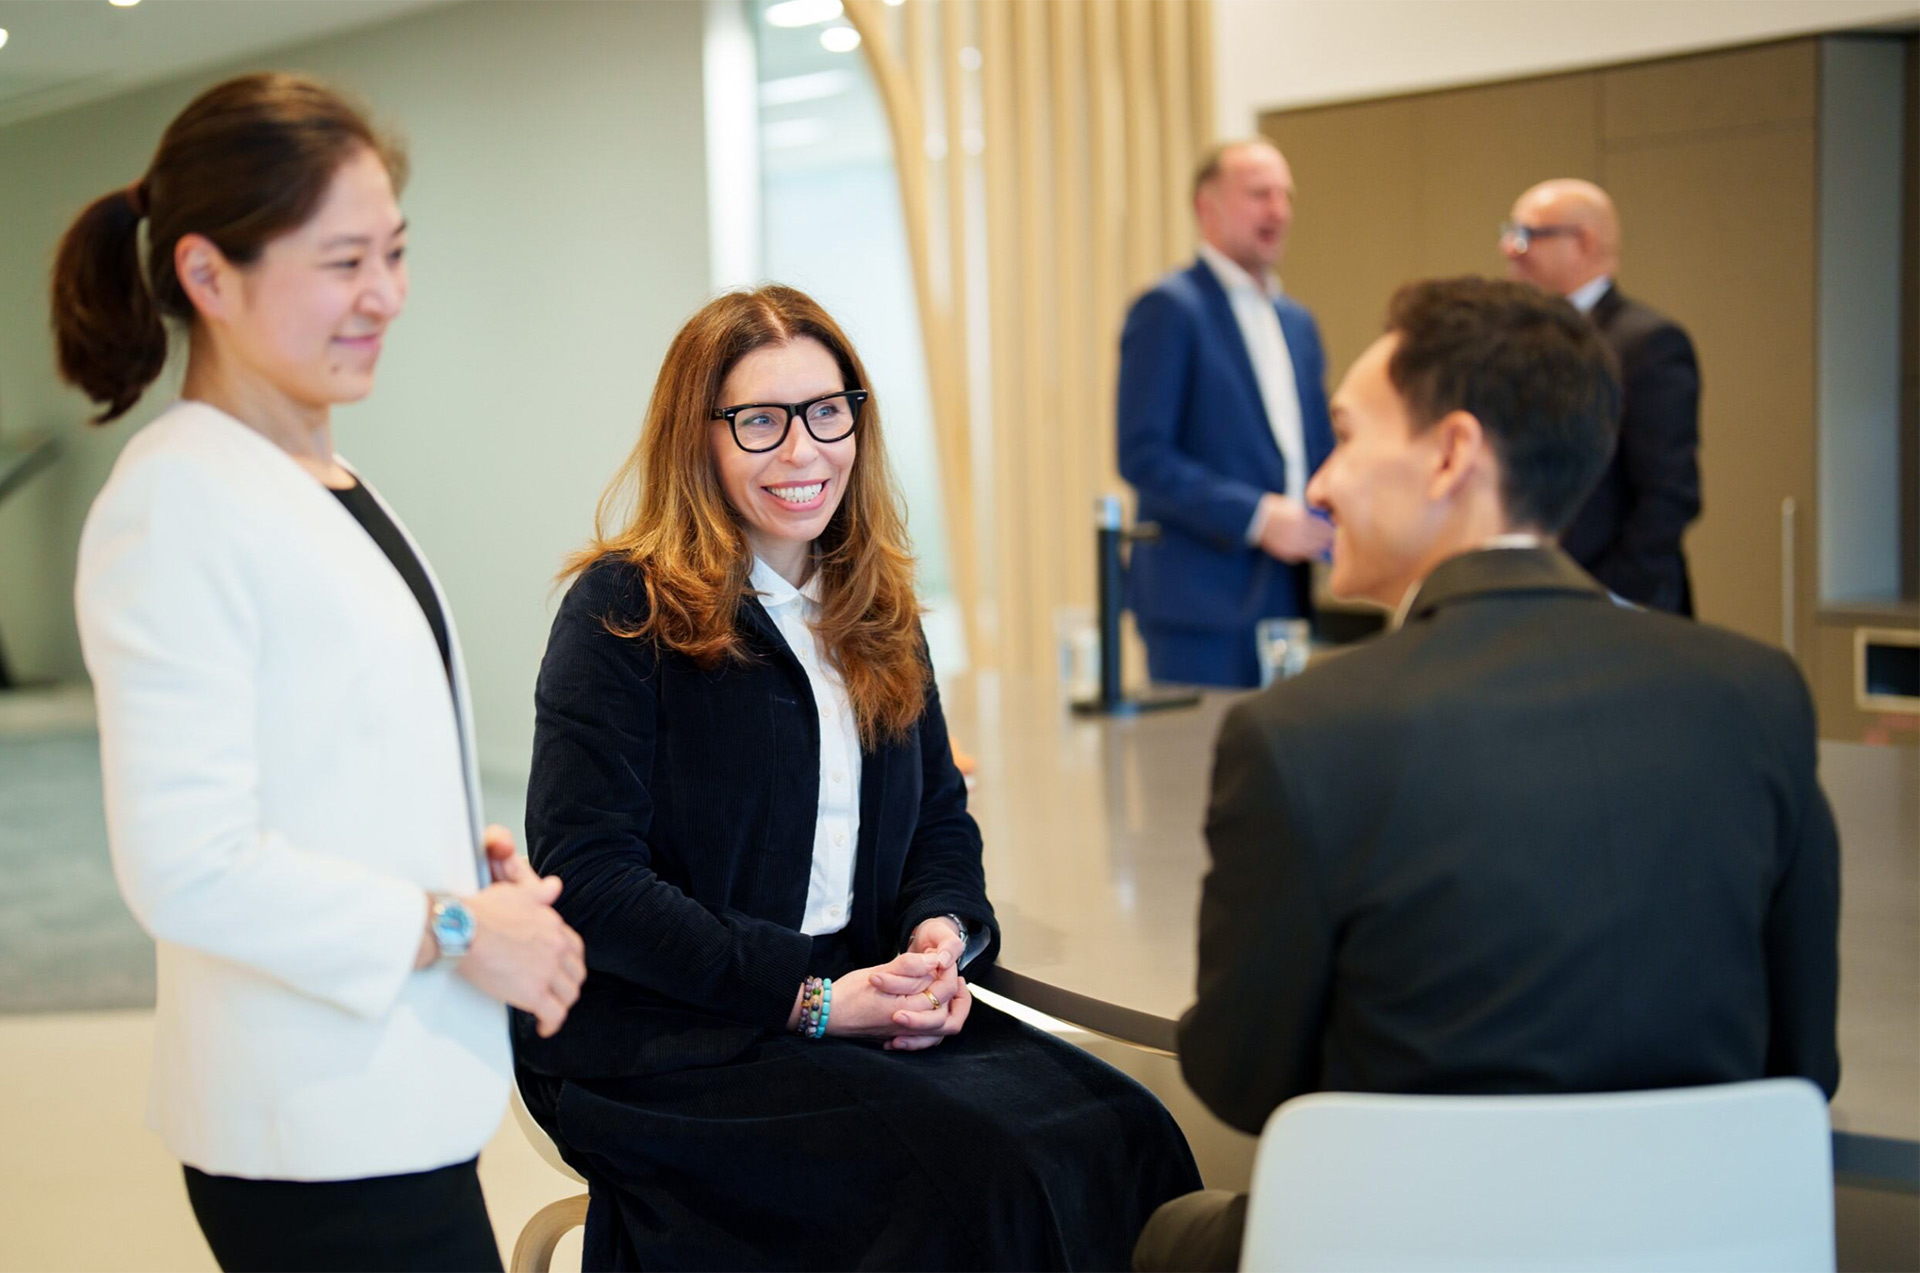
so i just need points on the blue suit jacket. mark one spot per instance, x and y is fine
(1197, 448)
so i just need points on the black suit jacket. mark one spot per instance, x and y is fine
(678, 805)
(1627, 534)
(1532, 842)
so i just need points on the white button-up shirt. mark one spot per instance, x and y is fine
(836, 831)
(1588, 294)
(1259, 323)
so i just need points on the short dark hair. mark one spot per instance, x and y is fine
(1530, 367)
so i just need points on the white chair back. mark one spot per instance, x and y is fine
(1734, 1177)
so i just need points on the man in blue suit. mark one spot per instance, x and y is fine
(1222, 421)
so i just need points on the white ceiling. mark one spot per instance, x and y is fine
(60, 53)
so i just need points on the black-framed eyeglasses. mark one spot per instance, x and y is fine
(1522, 236)
(762, 426)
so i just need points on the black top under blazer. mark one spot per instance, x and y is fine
(678, 804)
(1532, 842)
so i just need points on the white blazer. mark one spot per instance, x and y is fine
(287, 777)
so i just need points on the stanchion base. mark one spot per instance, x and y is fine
(1136, 705)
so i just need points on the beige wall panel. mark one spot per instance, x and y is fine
(1356, 227)
(1480, 147)
(1719, 233)
(1771, 84)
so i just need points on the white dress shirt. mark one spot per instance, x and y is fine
(1259, 322)
(1512, 539)
(1588, 294)
(836, 832)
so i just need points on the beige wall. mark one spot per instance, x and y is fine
(559, 238)
(1712, 159)
(1272, 54)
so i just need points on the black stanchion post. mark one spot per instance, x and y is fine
(1108, 537)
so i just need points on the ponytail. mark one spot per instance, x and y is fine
(107, 330)
(246, 161)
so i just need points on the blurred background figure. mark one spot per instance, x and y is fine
(1222, 420)
(1564, 236)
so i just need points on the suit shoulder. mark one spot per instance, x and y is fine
(1175, 290)
(1636, 322)
(1349, 688)
(610, 587)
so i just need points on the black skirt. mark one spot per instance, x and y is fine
(1003, 1148)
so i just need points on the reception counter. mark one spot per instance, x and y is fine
(1094, 858)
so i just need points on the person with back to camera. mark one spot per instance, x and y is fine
(1532, 840)
(742, 772)
(285, 732)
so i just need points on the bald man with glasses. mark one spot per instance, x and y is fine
(1564, 237)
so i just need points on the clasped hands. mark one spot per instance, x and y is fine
(912, 1002)
(522, 952)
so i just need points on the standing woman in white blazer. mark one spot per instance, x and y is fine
(284, 724)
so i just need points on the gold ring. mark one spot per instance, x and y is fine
(933, 997)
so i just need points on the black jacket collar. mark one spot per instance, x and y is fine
(1501, 570)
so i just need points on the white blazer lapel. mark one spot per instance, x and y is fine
(462, 699)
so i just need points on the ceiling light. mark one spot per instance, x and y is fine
(805, 88)
(839, 39)
(3, 37)
(123, 4)
(802, 13)
(895, 4)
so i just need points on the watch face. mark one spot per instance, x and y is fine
(452, 927)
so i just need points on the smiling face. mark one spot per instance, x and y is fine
(1379, 484)
(786, 496)
(308, 316)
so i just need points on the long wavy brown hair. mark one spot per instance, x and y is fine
(666, 513)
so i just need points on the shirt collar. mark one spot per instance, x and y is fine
(1232, 277)
(1588, 294)
(775, 591)
(1514, 539)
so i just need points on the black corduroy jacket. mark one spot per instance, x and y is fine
(677, 804)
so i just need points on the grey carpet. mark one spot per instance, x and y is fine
(67, 941)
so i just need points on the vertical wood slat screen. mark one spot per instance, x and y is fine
(1092, 115)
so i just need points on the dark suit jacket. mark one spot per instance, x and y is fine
(1197, 448)
(678, 805)
(1532, 842)
(1627, 535)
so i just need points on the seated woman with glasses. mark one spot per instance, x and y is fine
(742, 775)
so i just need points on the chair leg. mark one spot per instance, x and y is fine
(533, 1253)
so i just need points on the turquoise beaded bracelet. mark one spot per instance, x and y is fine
(816, 1002)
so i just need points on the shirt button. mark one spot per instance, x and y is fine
(833, 912)
(840, 837)
(839, 776)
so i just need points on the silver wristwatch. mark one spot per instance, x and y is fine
(960, 926)
(451, 924)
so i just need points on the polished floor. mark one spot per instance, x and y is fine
(88, 1188)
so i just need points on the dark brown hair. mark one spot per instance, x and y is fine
(245, 162)
(665, 512)
(1529, 367)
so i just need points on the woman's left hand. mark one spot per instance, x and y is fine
(937, 933)
(948, 1000)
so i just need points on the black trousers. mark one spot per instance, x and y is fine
(427, 1221)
